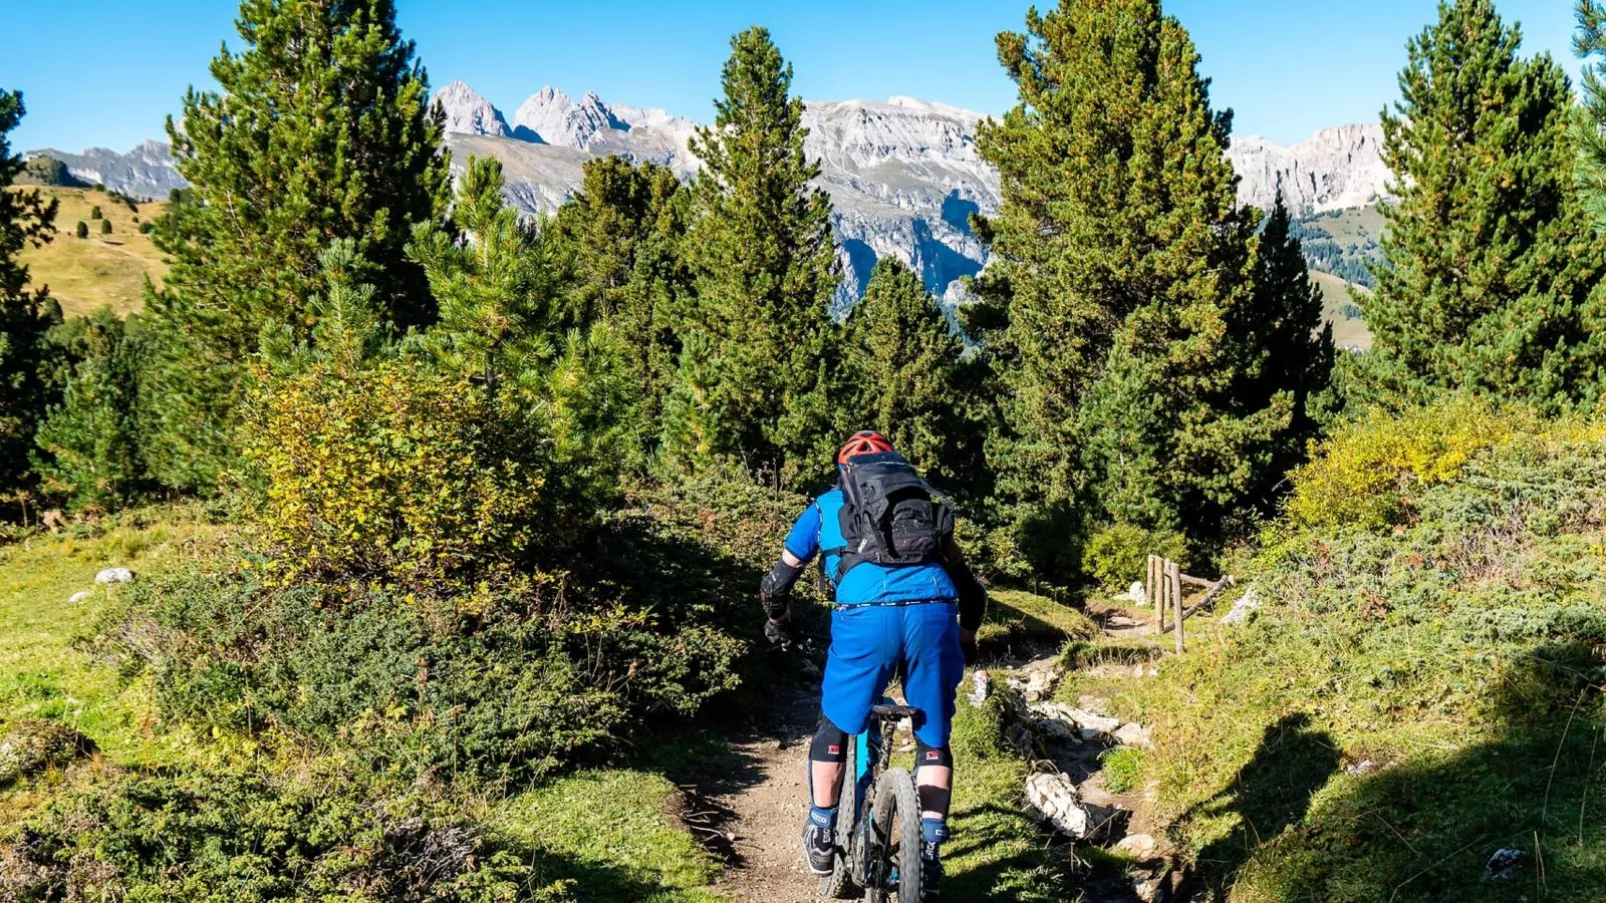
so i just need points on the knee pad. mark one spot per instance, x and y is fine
(939, 756)
(830, 743)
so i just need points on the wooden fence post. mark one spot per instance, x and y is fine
(1156, 600)
(1176, 595)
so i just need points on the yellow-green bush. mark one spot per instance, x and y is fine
(1116, 555)
(389, 471)
(1367, 472)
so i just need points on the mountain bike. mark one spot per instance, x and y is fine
(878, 833)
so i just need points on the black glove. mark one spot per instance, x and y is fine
(779, 634)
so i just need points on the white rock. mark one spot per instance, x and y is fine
(1138, 846)
(79, 596)
(114, 575)
(1089, 725)
(1136, 594)
(1053, 798)
(1036, 684)
(981, 685)
(1135, 735)
(1503, 864)
(1248, 603)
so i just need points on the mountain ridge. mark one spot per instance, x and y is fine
(904, 174)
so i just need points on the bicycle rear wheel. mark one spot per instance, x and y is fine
(895, 840)
(839, 885)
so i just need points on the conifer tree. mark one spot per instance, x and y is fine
(26, 315)
(322, 131)
(618, 242)
(694, 433)
(908, 377)
(503, 321)
(764, 267)
(1288, 345)
(1119, 236)
(88, 449)
(1494, 268)
(1589, 125)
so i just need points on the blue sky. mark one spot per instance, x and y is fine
(108, 73)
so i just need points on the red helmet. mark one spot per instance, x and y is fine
(864, 442)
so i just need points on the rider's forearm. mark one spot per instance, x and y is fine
(776, 589)
(972, 595)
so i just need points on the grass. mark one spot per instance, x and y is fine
(1352, 226)
(84, 274)
(1017, 617)
(609, 832)
(1338, 300)
(1411, 697)
(43, 674)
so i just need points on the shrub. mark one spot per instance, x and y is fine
(147, 227)
(95, 212)
(81, 230)
(1117, 555)
(249, 837)
(1368, 471)
(105, 227)
(28, 746)
(388, 471)
(506, 681)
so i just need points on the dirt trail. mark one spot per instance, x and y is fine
(758, 791)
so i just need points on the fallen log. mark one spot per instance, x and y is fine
(1216, 589)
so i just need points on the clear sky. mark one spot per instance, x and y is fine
(109, 71)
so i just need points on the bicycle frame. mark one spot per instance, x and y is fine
(873, 752)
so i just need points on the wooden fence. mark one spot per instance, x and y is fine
(1163, 587)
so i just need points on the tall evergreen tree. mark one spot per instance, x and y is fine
(764, 266)
(322, 132)
(26, 315)
(1590, 120)
(908, 376)
(88, 449)
(1288, 346)
(619, 242)
(1494, 268)
(1119, 237)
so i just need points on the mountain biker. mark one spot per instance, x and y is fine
(916, 604)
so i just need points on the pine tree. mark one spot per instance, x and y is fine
(618, 242)
(503, 321)
(764, 266)
(1589, 125)
(1119, 236)
(1288, 343)
(26, 315)
(88, 450)
(322, 132)
(907, 373)
(694, 433)
(1493, 265)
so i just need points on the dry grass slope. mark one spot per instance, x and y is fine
(101, 270)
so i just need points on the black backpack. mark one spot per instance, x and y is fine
(890, 516)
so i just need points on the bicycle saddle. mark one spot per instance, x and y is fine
(887, 710)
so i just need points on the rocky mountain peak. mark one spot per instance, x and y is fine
(551, 117)
(1334, 169)
(467, 113)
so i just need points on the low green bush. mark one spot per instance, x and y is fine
(515, 680)
(1422, 682)
(1117, 555)
(248, 836)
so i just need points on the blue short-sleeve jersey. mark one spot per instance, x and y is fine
(819, 530)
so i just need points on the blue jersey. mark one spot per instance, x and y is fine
(819, 529)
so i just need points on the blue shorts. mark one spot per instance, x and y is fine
(868, 642)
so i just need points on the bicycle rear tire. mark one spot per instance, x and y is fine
(896, 838)
(839, 884)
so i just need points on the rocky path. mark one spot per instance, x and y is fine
(746, 804)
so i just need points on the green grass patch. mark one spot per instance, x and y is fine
(1413, 696)
(612, 835)
(997, 852)
(1123, 767)
(1016, 617)
(44, 673)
